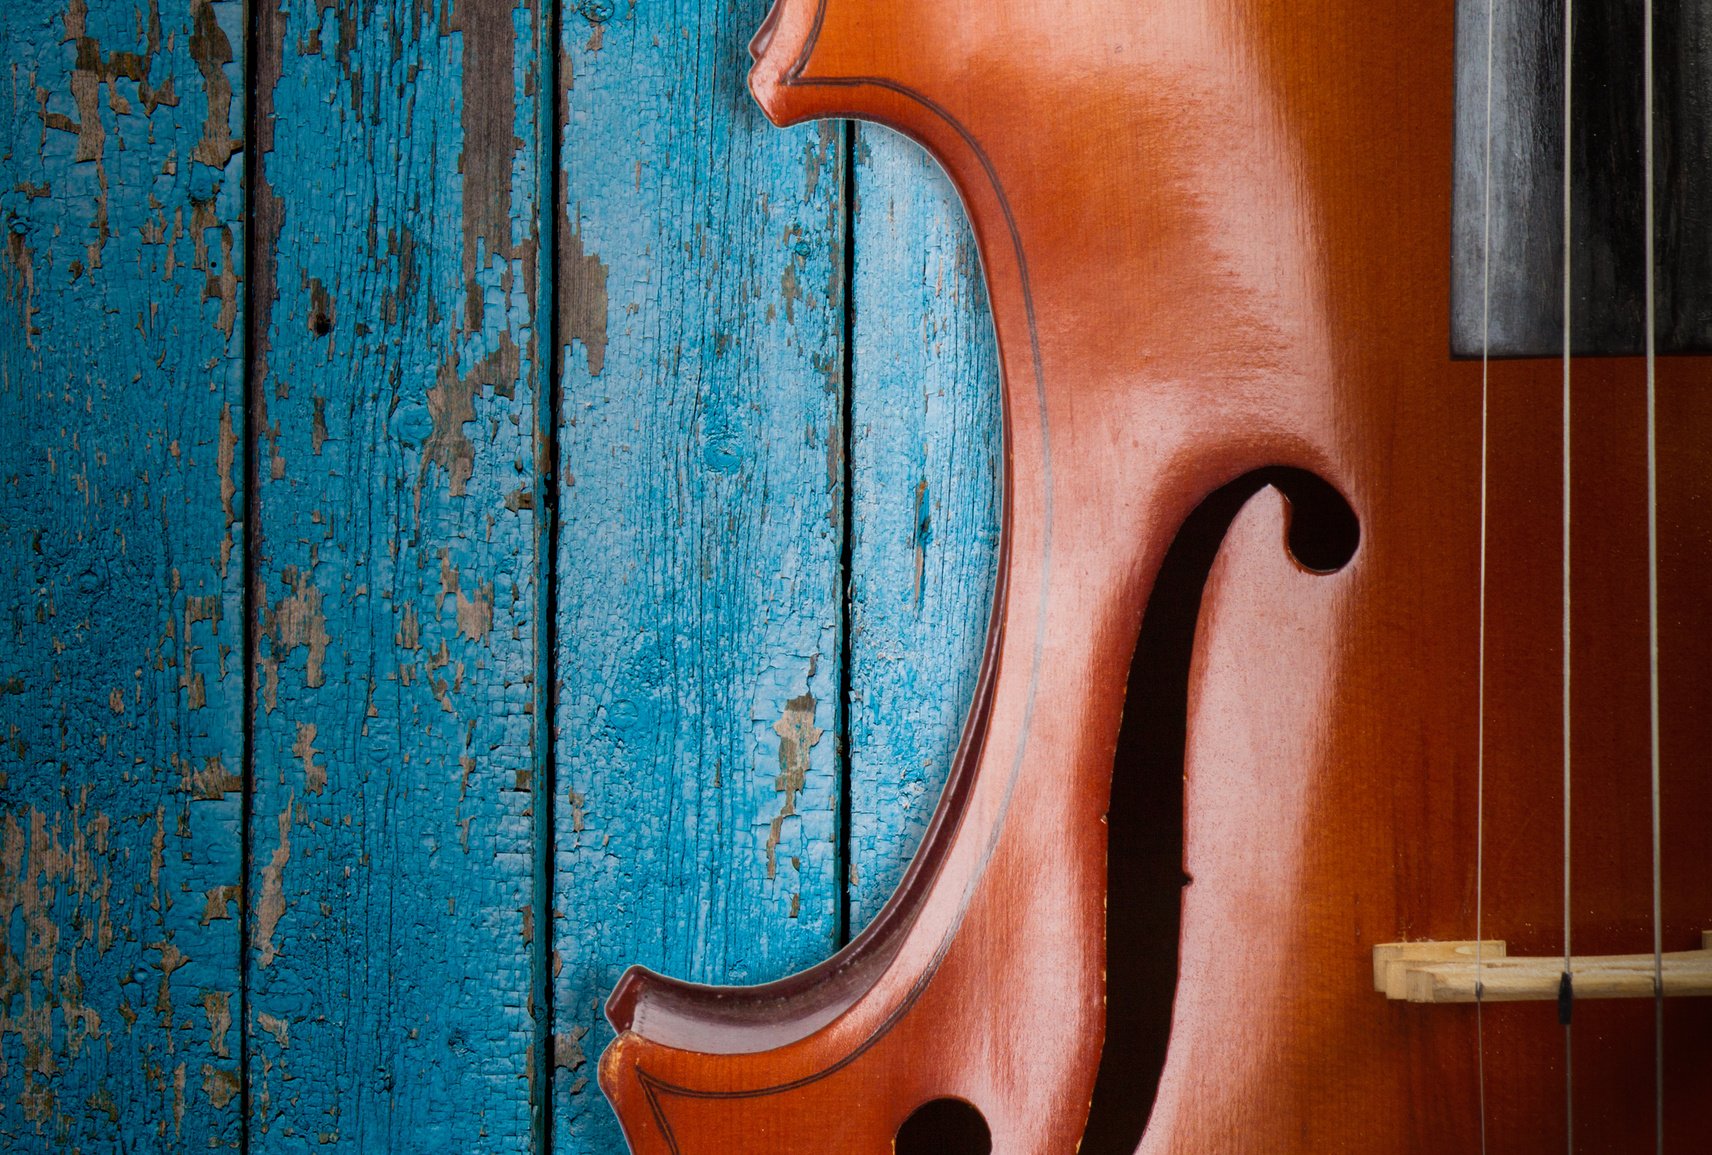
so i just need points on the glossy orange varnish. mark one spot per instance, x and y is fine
(1216, 239)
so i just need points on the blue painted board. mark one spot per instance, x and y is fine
(701, 314)
(121, 575)
(925, 510)
(404, 793)
(395, 389)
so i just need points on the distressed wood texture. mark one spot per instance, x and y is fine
(748, 467)
(700, 302)
(924, 527)
(394, 385)
(121, 575)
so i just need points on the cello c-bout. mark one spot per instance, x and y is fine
(1215, 235)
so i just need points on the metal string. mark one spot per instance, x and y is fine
(1566, 991)
(1480, 712)
(1652, 569)
(1652, 579)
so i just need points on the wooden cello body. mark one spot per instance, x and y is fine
(1215, 235)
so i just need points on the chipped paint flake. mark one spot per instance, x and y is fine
(451, 406)
(212, 51)
(211, 781)
(21, 285)
(217, 1005)
(270, 907)
(581, 296)
(218, 902)
(275, 1026)
(220, 1084)
(475, 614)
(797, 736)
(314, 773)
(296, 621)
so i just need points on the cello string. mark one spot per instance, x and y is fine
(1480, 711)
(1566, 990)
(1652, 574)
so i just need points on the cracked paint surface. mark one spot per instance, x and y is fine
(394, 399)
(925, 502)
(394, 393)
(701, 315)
(797, 737)
(121, 582)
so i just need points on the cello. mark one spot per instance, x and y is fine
(1335, 780)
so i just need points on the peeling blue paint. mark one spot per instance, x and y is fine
(121, 575)
(398, 502)
(925, 502)
(699, 583)
(394, 728)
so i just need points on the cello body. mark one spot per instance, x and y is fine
(1215, 235)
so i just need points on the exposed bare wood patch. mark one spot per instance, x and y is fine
(217, 1005)
(296, 620)
(270, 906)
(314, 773)
(212, 52)
(580, 292)
(489, 142)
(797, 736)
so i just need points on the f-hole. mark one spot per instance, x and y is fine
(1144, 865)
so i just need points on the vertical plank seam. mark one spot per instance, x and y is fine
(248, 561)
(549, 405)
(847, 434)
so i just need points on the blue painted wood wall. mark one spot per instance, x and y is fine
(478, 508)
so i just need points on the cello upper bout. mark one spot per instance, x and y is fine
(1163, 261)
(818, 58)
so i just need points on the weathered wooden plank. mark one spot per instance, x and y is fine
(700, 299)
(924, 503)
(394, 393)
(121, 575)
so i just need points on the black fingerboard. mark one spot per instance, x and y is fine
(1607, 245)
